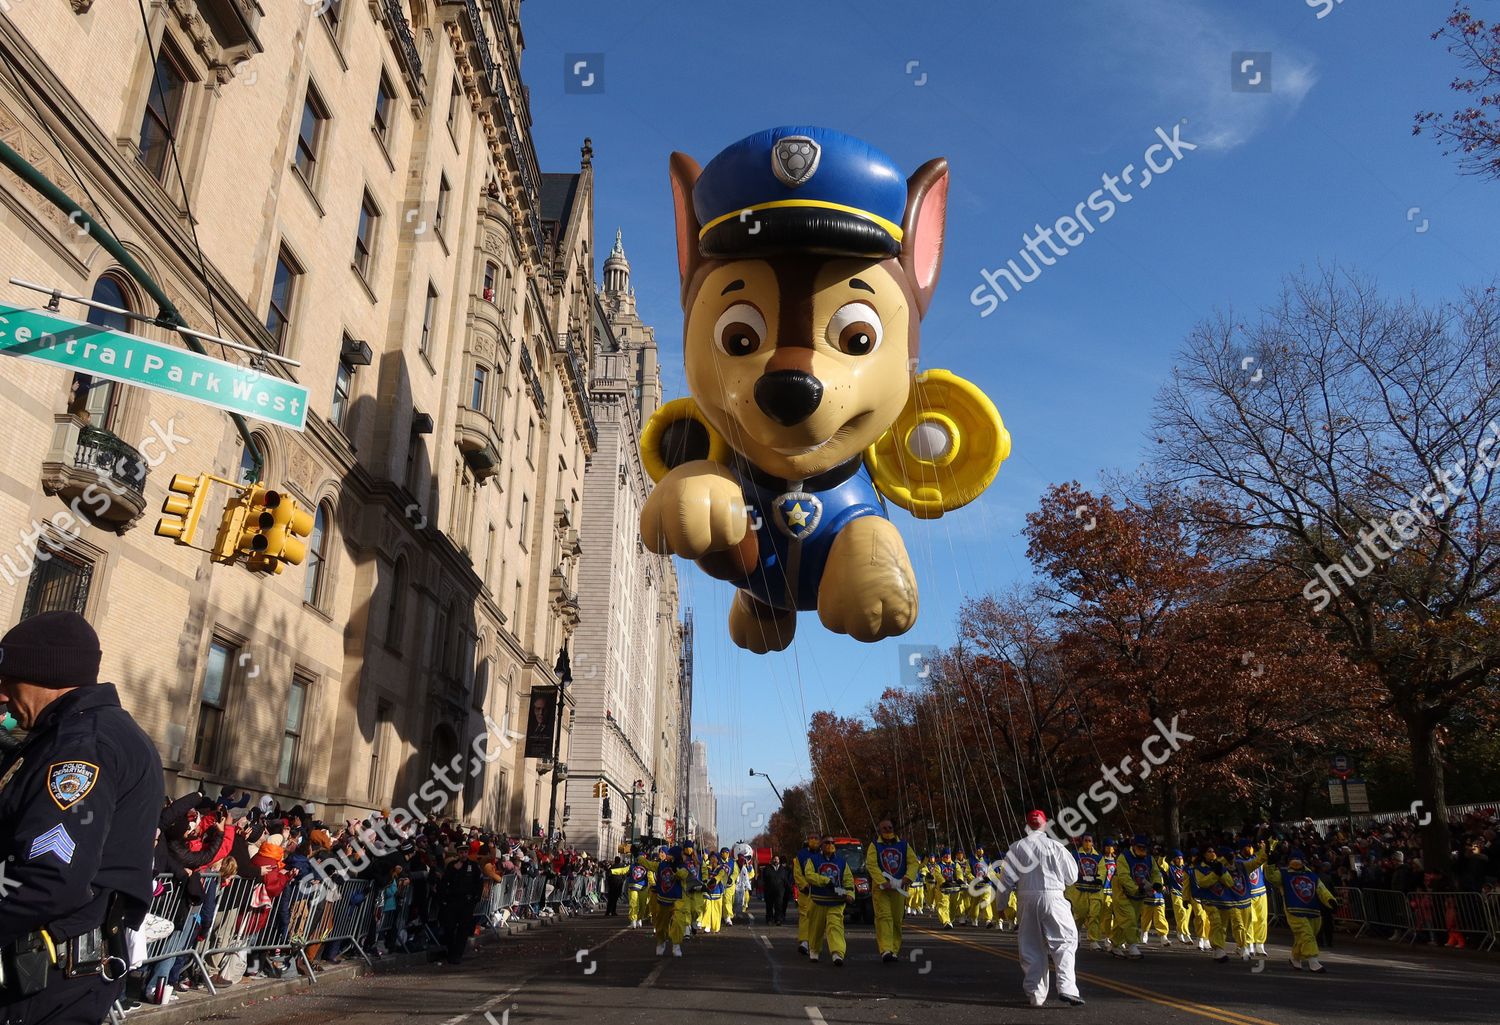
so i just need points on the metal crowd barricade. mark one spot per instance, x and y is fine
(173, 905)
(1464, 915)
(1392, 911)
(1492, 909)
(1350, 915)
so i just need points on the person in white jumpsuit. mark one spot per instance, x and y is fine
(1039, 869)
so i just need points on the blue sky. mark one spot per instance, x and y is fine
(1031, 104)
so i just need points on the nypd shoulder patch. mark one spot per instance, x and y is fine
(54, 841)
(70, 782)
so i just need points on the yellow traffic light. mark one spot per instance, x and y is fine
(258, 519)
(183, 507)
(231, 527)
(291, 525)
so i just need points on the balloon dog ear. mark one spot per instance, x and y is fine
(679, 433)
(684, 171)
(943, 450)
(922, 232)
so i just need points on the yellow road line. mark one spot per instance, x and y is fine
(1176, 1003)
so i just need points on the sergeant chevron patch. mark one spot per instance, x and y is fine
(54, 841)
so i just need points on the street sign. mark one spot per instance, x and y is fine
(1341, 766)
(1359, 797)
(1336, 792)
(130, 359)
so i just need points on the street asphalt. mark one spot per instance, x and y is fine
(591, 970)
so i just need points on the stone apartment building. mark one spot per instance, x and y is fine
(628, 647)
(352, 186)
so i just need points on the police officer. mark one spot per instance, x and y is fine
(79, 800)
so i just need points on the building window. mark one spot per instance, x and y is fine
(247, 461)
(212, 704)
(515, 612)
(525, 512)
(283, 291)
(454, 98)
(333, 14)
(343, 381)
(385, 106)
(396, 606)
(489, 553)
(530, 439)
(291, 736)
(59, 582)
(429, 310)
(476, 396)
(491, 273)
(364, 236)
(440, 216)
(316, 552)
(310, 134)
(166, 95)
(99, 397)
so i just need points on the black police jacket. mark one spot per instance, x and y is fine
(79, 802)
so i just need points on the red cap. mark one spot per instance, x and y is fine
(1036, 819)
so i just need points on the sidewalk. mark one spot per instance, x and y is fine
(200, 1004)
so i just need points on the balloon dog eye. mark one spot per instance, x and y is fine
(740, 329)
(855, 329)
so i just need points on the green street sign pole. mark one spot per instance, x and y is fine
(130, 359)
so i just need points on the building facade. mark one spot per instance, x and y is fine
(353, 187)
(623, 767)
(703, 804)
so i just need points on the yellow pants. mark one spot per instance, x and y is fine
(826, 923)
(1127, 922)
(914, 897)
(804, 915)
(950, 907)
(1153, 917)
(670, 921)
(1198, 915)
(713, 913)
(1237, 924)
(729, 892)
(933, 897)
(1009, 913)
(1304, 935)
(1095, 911)
(1218, 921)
(984, 906)
(889, 907)
(1180, 920)
(1259, 918)
(639, 912)
(696, 903)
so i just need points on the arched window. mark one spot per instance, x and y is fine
(247, 460)
(317, 543)
(96, 396)
(395, 608)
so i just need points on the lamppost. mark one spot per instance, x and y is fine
(779, 798)
(564, 671)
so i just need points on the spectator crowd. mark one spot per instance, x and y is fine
(250, 885)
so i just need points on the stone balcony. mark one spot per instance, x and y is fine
(479, 441)
(99, 476)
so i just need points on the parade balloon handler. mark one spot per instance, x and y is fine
(831, 885)
(893, 861)
(1040, 869)
(807, 263)
(79, 801)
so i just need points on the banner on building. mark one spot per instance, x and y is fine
(541, 722)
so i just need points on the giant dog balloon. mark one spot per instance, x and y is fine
(807, 264)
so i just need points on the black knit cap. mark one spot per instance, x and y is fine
(53, 649)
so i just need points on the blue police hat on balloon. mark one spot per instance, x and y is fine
(800, 188)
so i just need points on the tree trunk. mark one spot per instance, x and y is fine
(1427, 770)
(1171, 813)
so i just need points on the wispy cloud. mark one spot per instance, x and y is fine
(1183, 54)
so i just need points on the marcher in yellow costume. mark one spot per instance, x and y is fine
(831, 886)
(893, 868)
(801, 864)
(670, 884)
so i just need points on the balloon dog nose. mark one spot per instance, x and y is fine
(788, 396)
